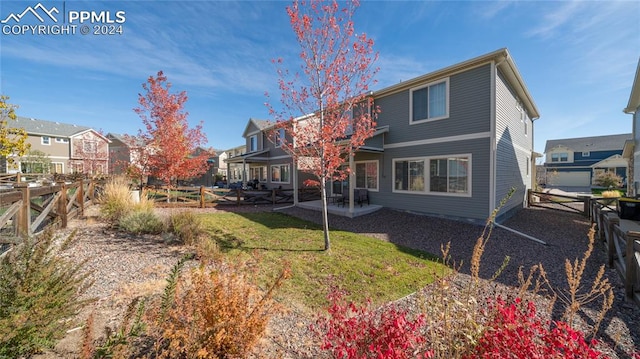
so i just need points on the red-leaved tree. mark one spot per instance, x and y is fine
(169, 142)
(326, 111)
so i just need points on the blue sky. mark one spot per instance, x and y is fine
(577, 58)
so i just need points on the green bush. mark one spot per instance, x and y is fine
(186, 226)
(141, 222)
(38, 291)
(608, 180)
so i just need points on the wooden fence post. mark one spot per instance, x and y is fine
(238, 196)
(630, 266)
(201, 196)
(91, 189)
(24, 213)
(62, 204)
(273, 196)
(80, 198)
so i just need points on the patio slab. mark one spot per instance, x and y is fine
(338, 209)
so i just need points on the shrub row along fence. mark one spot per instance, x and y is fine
(207, 197)
(26, 210)
(621, 237)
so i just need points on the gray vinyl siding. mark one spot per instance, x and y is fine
(513, 147)
(375, 142)
(636, 151)
(474, 207)
(469, 110)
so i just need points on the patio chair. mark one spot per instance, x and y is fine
(362, 194)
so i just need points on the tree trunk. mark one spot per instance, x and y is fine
(325, 213)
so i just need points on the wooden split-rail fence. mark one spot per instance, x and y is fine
(26, 210)
(207, 197)
(621, 238)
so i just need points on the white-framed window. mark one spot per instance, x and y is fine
(259, 173)
(253, 143)
(62, 140)
(560, 157)
(447, 175)
(586, 154)
(45, 140)
(57, 167)
(367, 175)
(89, 146)
(429, 102)
(279, 137)
(409, 175)
(280, 173)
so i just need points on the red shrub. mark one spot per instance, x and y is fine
(354, 332)
(517, 332)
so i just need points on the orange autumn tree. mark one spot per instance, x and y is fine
(168, 141)
(326, 111)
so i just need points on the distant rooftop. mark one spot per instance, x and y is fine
(47, 128)
(596, 143)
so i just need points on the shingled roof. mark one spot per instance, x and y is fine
(46, 128)
(596, 143)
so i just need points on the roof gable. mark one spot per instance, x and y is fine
(255, 125)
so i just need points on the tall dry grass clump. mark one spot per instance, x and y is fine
(211, 311)
(116, 200)
(455, 312)
(611, 194)
(576, 294)
(216, 313)
(119, 208)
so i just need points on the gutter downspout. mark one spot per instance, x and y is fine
(520, 233)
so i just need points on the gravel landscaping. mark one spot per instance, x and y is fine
(125, 266)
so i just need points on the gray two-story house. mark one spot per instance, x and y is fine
(453, 143)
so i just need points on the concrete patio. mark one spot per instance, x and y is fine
(339, 209)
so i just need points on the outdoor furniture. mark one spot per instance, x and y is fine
(360, 195)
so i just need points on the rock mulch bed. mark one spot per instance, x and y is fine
(125, 266)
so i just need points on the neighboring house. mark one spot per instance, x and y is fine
(71, 148)
(208, 178)
(236, 169)
(574, 163)
(451, 143)
(632, 147)
(121, 155)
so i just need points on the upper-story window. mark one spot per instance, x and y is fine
(89, 146)
(62, 140)
(560, 157)
(430, 102)
(586, 154)
(45, 140)
(279, 137)
(253, 143)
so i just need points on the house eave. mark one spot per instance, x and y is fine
(634, 97)
(501, 57)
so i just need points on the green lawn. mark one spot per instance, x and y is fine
(364, 266)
